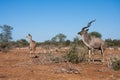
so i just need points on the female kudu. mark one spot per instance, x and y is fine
(32, 45)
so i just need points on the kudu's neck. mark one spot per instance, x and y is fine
(30, 39)
(86, 39)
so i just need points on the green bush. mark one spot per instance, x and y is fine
(115, 63)
(4, 46)
(75, 55)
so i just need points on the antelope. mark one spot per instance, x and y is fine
(91, 41)
(32, 45)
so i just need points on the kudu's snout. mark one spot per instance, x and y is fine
(78, 33)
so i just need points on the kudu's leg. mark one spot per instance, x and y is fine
(30, 51)
(92, 53)
(89, 55)
(102, 54)
(34, 52)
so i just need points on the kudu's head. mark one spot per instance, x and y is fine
(29, 36)
(85, 29)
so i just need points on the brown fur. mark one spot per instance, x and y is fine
(90, 41)
(32, 45)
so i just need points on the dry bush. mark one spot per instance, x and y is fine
(43, 58)
(76, 54)
(4, 46)
(115, 63)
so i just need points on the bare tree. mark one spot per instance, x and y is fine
(90, 41)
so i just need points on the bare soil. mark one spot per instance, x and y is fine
(17, 65)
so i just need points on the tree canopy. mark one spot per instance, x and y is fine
(6, 33)
(5, 37)
(96, 34)
(59, 38)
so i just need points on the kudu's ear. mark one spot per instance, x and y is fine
(87, 29)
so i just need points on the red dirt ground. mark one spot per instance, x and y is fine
(16, 65)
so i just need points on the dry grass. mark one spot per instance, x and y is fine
(17, 65)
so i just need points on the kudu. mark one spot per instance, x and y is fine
(90, 41)
(32, 45)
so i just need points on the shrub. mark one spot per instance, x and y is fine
(4, 46)
(75, 55)
(115, 63)
(57, 59)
